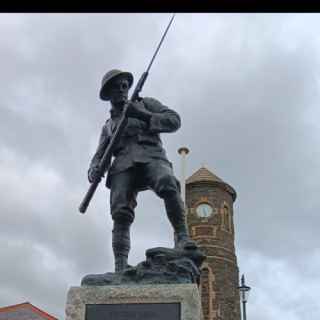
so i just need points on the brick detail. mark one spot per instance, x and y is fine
(198, 231)
(215, 236)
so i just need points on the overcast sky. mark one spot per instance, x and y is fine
(247, 89)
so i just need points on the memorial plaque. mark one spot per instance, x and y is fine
(133, 311)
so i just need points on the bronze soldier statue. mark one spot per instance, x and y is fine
(140, 162)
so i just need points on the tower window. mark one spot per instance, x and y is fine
(226, 218)
(206, 292)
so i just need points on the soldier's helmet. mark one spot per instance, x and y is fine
(107, 79)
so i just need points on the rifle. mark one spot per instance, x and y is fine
(105, 160)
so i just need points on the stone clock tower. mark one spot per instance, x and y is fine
(209, 202)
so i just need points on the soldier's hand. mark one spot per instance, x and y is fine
(94, 175)
(136, 110)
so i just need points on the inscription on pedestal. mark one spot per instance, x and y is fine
(133, 311)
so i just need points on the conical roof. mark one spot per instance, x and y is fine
(205, 175)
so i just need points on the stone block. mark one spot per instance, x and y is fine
(136, 302)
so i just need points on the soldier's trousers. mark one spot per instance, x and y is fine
(157, 176)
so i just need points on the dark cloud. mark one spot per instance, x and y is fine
(246, 87)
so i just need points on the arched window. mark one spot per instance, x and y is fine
(226, 217)
(206, 292)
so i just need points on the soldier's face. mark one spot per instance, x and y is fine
(119, 89)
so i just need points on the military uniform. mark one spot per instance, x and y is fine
(140, 163)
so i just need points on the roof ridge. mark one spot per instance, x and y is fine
(203, 174)
(30, 306)
(46, 314)
(13, 306)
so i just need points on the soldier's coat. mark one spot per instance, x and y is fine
(139, 142)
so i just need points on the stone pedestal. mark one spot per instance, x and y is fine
(134, 302)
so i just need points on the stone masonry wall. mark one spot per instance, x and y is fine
(215, 236)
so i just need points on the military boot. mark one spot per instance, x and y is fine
(182, 239)
(121, 262)
(176, 214)
(121, 245)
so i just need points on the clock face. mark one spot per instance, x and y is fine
(204, 210)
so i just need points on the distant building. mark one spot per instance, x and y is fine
(209, 202)
(24, 311)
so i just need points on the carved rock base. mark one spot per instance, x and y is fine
(162, 266)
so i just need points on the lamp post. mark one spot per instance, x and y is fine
(183, 151)
(244, 294)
